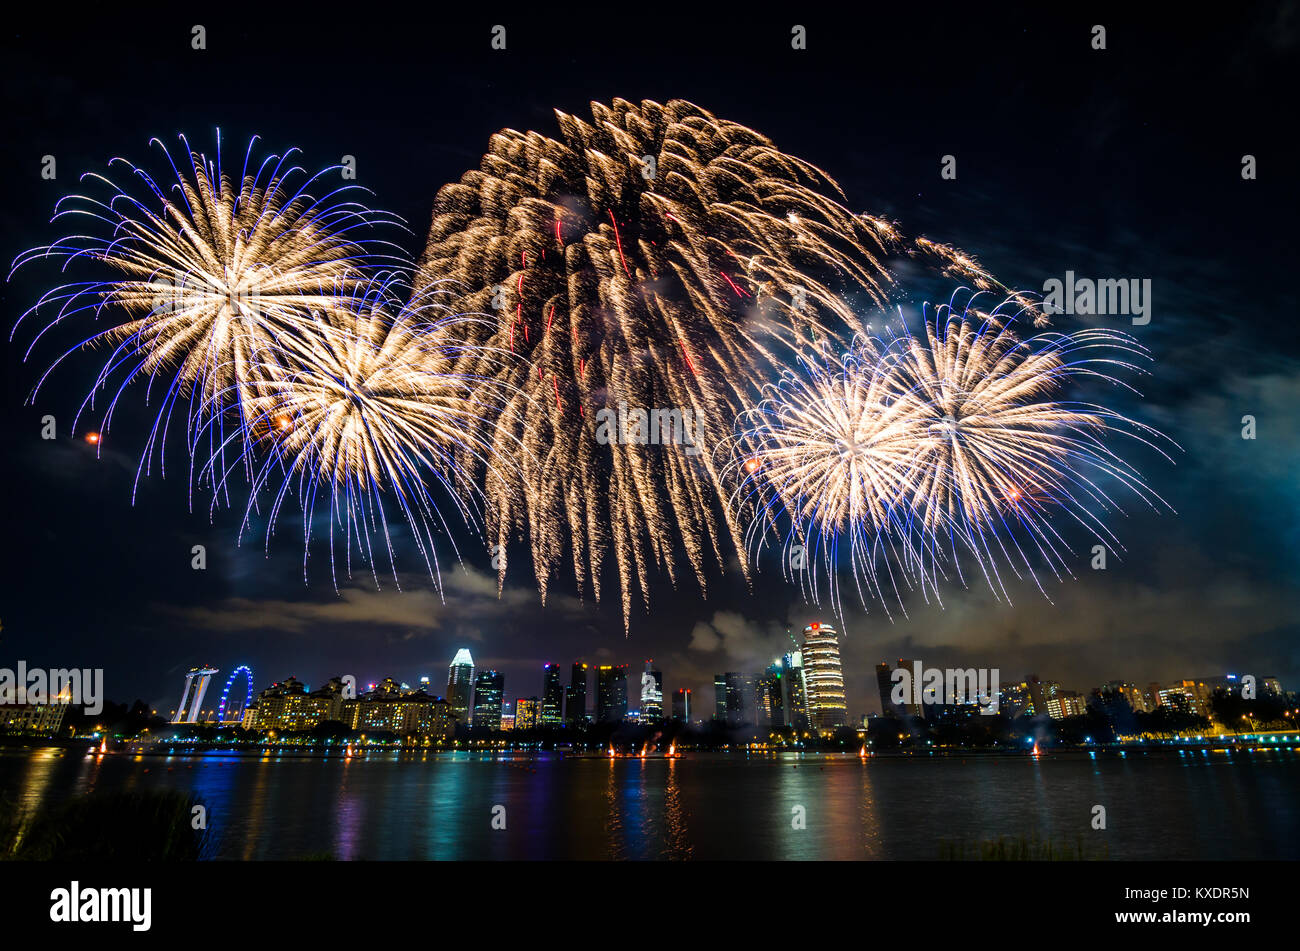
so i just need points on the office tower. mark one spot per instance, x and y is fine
(196, 685)
(885, 685)
(489, 694)
(527, 713)
(771, 700)
(729, 698)
(460, 682)
(824, 678)
(912, 706)
(652, 694)
(749, 686)
(507, 717)
(796, 690)
(552, 696)
(682, 705)
(611, 693)
(575, 705)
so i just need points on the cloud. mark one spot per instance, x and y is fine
(471, 605)
(738, 639)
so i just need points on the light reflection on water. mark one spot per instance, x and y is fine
(704, 806)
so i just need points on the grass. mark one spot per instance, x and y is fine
(138, 826)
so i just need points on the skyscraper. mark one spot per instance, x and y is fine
(489, 692)
(729, 698)
(652, 694)
(770, 699)
(795, 690)
(575, 704)
(885, 685)
(611, 693)
(552, 696)
(460, 681)
(527, 711)
(823, 677)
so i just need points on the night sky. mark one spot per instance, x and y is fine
(1117, 163)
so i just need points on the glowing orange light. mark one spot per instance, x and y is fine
(751, 465)
(92, 438)
(282, 422)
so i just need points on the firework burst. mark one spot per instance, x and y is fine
(210, 270)
(290, 336)
(366, 407)
(919, 453)
(654, 256)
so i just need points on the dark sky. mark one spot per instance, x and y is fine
(1116, 163)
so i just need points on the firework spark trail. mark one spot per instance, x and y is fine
(921, 452)
(658, 256)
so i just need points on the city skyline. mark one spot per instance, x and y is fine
(752, 696)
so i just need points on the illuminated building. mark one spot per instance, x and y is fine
(796, 690)
(1065, 703)
(682, 705)
(749, 688)
(652, 694)
(1178, 699)
(611, 693)
(1013, 700)
(405, 712)
(489, 694)
(729, 698)
(1199, 692)
(552, 714)
(575, 701)
(527, 713)
(35, 719)
(823, 677)
(1133, 695)
(196, 685)
(1041, 694)
(460, 682)
(287, 706)
(507, 717)
(770, 705)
